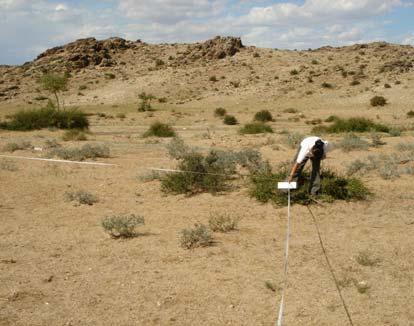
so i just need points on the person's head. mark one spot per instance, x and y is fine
(317, 149)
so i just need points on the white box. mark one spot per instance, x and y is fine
(286, 185)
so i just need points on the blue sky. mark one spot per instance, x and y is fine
(28, 27)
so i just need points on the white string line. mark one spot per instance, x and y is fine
(57, 161)
(282, 300)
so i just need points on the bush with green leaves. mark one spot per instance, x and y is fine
(256, 128)
(222, 222)
(55, 84)
(199, 236)
(352, 142)
(177, 149)
(74, 134)
(230, 120)
(351, 125)
(80, 154)
(333, 187)
(122, 226)
(45, 118)
(220, 112)
(159, 129)
(81, 197)
(263, 116)
(22, 145)
(145, 102)
(378, 101)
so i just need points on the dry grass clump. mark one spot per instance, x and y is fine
(352, 142)
(263, 116)
(7, 165)
(74, 135)
(220, 112)
(230, 120)
(365, 258)
(222, 222)
(122, 226)
(378, 101)
(12, 147)
(256, 128)
(81, 197)
(294, 139)
(80, 154)
(199, 236)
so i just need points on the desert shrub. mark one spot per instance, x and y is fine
(150, 176)
(220, 112)
(263, 116)
(294, 72)
(109, 75)
(219, 222)
(201, 174)
(331, 118)
(294, 139)
(122, 226)
(333, 187)
(376, 140)
(159, 62)
(326, 85)
(365, 258)
(55, 84)
(177, 149)
(235, 83)
(145, 102)
(159, 129)
(212, 78)
(255, 128)
(80, 154)
(395, 132)
(378, 101)
(11, 147)
(162, 100)
(315, 62)
(355, 82)
(290, 110)
(352, 125)
(121, 115)
(230, 120)
(387, 85)
(410, 114)
(82, 87)
(352, 142)
(74, 134)
(81, 197)
(41, 98)
(44, 118)
(199, 236)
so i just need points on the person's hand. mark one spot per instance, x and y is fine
(290, 178)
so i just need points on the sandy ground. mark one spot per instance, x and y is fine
(59, 267)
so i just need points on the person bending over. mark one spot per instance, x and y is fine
(315, 149)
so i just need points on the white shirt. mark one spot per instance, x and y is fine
(306, 146)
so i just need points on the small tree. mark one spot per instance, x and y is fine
(55, 84)
(145, 104)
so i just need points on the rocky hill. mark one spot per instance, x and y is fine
(116, 70)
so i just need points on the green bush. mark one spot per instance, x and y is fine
(177, 149)
(74, 134)
(201, 174)
(159, 129)
(80, 154)
(220, 112)
(81, 197)
(333, 187)
(46, 118)
(378, 101)
(263, 116)
(230, 120)
(199, 236)
(351, 125)
(222, 222)
(122, 226)
(256, 128)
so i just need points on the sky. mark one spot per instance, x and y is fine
(28, 27)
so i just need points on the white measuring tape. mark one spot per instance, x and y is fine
(284, 186)
(57, 161)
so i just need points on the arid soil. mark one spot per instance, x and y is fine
(59, 267)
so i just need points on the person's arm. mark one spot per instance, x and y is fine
(293, 171)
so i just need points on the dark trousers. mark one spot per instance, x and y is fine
(315, 178)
